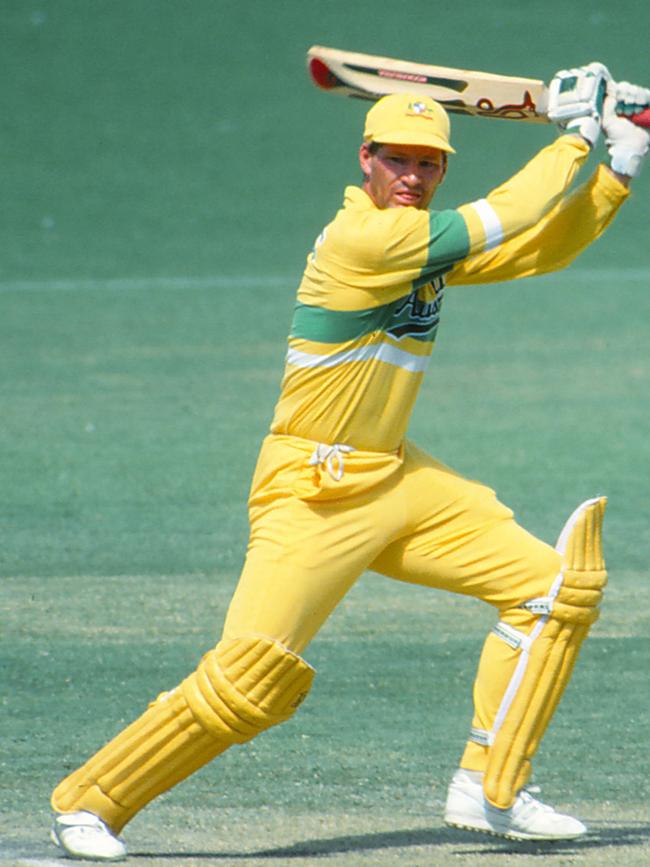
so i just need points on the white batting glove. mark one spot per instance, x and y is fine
(627, 144)
(630, 98)
(575, 100)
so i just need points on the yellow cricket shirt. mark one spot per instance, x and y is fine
(369, 303)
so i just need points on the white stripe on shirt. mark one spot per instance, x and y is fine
(491, 223)
(374, 352)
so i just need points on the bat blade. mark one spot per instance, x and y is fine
(460, 91)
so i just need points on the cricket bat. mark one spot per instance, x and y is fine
(461, 91)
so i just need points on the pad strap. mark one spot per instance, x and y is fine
(513, 637)
(481, 737)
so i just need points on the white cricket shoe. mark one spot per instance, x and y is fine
(84, 835)
(527, 819)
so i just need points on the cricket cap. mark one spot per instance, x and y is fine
(408, 119)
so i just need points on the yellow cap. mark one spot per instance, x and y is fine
(409, 119)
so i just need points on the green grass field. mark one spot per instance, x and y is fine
(165, 169)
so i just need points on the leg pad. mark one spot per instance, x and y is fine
(240, 688)
(547, 655)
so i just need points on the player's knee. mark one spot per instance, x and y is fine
(574, 596)
(245, 685)
(577, 592)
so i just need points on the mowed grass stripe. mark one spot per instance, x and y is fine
(258, 281)
(122, 284)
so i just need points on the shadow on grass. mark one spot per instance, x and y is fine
(465, 841)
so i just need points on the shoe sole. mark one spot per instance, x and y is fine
(510, 835)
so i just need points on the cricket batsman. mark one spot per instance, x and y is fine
(339, 488)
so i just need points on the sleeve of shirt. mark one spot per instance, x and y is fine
(555, 240)
(382, 253)
(522, 201)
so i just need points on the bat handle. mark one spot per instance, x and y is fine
(642, 118)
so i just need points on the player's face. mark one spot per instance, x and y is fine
(399, 176)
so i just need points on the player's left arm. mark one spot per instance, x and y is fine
(443, 241)
(523, 200)
(555, 241)
(576, 99)
(434, 242)
(580, 218)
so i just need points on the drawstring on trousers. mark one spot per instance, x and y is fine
(331, 457)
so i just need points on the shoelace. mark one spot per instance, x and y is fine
(331, 457)
(529, 801)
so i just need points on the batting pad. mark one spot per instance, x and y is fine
(547, 654)
(240, 688)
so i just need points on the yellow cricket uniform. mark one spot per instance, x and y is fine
(366, 317)
(338, 488)
(370, 300)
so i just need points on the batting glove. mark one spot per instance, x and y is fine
(576, 97)
(627, 143)
(630, 98)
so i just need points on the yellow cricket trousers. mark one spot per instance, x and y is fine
(320, 516)
(401, 514)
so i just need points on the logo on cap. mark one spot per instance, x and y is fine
(421, 109)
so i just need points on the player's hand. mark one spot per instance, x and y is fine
(576, 98)
(627, 143)
(630, 98)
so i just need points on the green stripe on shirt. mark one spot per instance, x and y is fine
(408, 316)
(337, 326)
(449, 243)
